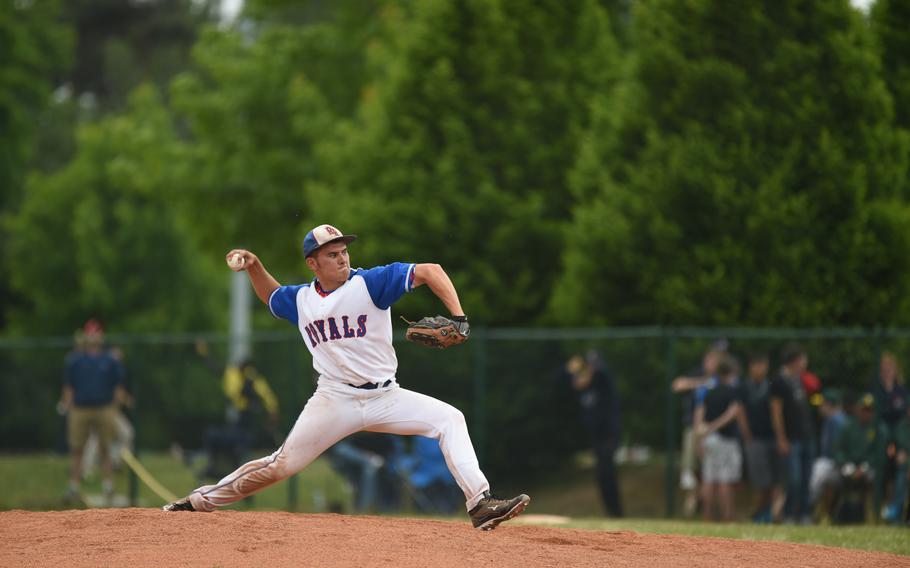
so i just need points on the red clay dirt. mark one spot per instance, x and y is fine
(147, 537)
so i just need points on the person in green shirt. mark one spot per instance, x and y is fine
(858, 451)
(900, 436)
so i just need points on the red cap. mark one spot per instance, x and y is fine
(93, 326)
(811, 383)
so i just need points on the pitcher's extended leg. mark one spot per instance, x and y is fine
(325, 420)
(400, 411)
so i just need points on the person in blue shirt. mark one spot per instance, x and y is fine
(824, 475)
(92, 391)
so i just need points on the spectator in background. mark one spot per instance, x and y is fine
(812, 385)
(368, 461)
(890, 394)
(251, 416)
(251, 404)
(686, 386)
(812, 390)
(900, 435)
(791, 420)
(435, 490)
(890, 407)
(123, 433)
(78, 348)
(762, 459)
(824, 469)
(716, 415)
(92, 391)
(600, 410)
(860, 445)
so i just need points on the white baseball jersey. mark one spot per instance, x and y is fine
(349, 333)
(348, 330)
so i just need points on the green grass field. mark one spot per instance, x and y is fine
(876, 538)
(573, 490)
(38, 481)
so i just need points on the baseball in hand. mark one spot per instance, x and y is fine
(236, 262)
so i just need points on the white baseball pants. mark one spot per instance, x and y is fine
(336, 411)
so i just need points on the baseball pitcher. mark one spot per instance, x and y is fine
(344, 318)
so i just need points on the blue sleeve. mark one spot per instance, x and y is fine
(283, 302)
(386, 284)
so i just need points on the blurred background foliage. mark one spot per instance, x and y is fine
(570, 163)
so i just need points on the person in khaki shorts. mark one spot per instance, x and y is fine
(92, 390)
(717, 412)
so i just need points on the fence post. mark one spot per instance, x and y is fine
(480, 390)
(134, 418)
(293, 494)
(670, 416)
(878, 493)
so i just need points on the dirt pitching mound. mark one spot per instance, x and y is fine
(147, 537)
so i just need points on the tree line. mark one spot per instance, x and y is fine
(570, 163)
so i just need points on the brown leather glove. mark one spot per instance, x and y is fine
(439, 332)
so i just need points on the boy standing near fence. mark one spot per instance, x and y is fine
(762, 460)
(716, 414)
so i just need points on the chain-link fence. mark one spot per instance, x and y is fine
(508, 382)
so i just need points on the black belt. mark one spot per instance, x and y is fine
(371, 386)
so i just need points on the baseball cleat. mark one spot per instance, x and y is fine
(491, 510)
(181, 505)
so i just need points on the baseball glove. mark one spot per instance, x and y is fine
(439, 332)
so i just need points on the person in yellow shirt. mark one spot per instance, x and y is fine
(248, 396)
(249, 393)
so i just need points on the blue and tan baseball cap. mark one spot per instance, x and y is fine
(323, 235)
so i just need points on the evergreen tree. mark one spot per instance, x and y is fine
(751, 175)
(336, 35)
(259, 101)
(252, 119)
(460, 150)
(891, 25)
